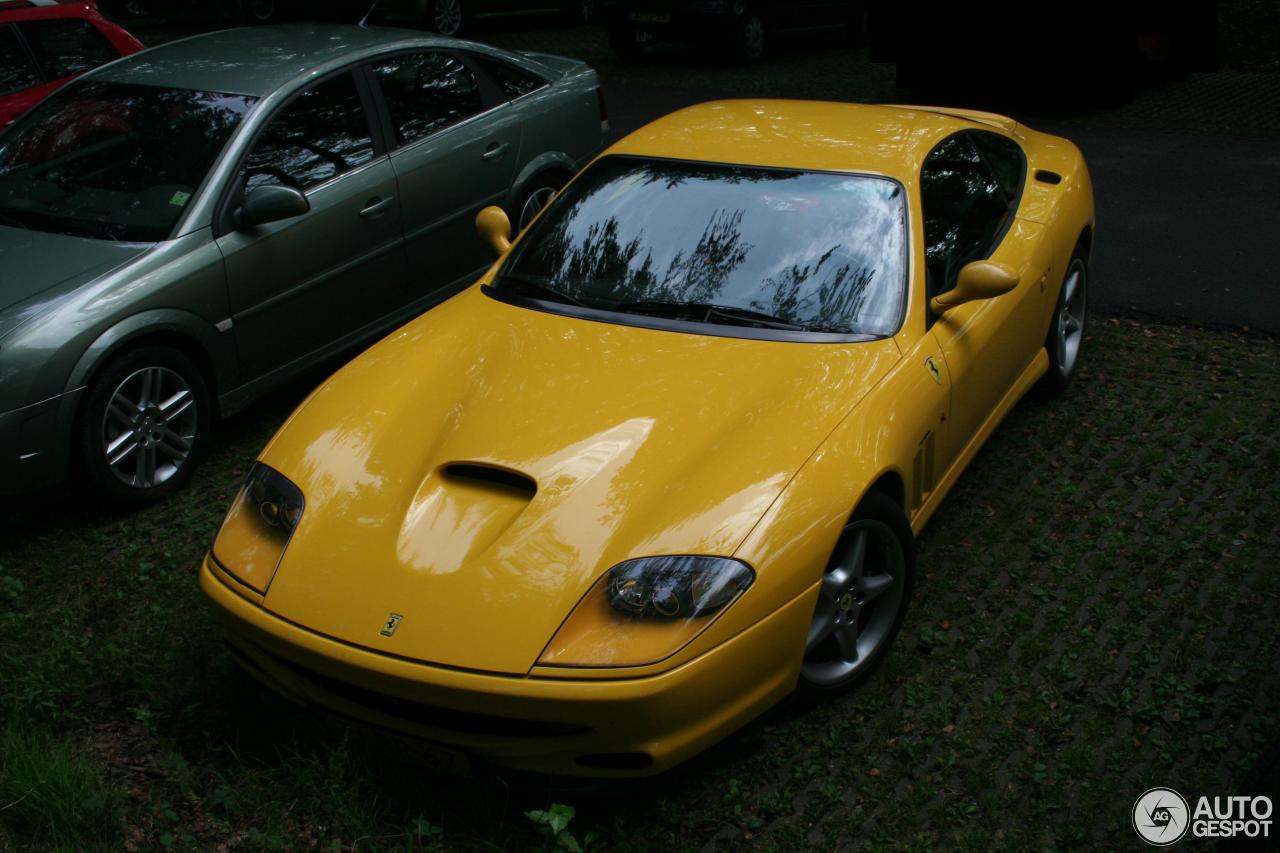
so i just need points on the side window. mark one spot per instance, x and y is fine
(67, 46)
(1005, 159)
(16, 70)
(965, 207)
(512, 82)
(426, 92)
(320, 134)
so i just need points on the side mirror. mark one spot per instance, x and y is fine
(270, 204)
(494, 228)
(977, 280)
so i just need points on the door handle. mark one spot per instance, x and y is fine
(495, 150)
(375, 207)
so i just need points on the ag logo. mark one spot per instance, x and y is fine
(1161, 817)
(389, 627)
(934, 370)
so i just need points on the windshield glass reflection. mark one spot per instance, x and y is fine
(723, 244)
(115, 161)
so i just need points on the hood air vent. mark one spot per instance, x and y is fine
(487, 475)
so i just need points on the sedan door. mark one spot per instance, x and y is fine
(327, 278)
(457, 146)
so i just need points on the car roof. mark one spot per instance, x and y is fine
(817, 135)
(259, 60)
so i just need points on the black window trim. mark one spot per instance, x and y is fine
(1014, 204)
(621, 318)
(231, 191)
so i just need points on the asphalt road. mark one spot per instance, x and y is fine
(1188, 225)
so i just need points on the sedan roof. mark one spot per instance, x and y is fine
(259, 60)
(811, 135)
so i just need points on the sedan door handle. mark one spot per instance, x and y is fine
(375, 207)
(495, 150)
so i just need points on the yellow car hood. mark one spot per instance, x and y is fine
(639, 441)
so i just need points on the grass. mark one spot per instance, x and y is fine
(1096, 616)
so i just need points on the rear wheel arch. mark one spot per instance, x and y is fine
(891, 485)
(1085, 241)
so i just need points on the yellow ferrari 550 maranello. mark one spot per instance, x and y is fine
(666, 460)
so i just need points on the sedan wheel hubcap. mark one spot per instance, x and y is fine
(149, 427)
(753, 37)
(448, 16)
(1070, 319)
(857, 605)
(537, 200)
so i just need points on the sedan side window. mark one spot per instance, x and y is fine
(319, 135)
(66, 47)
(512, 81)
(426, 92)
(16, 70)
(965, 207)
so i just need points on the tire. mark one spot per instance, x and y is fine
(622, 40)
(445, 17)
(750, 39)
(866, 589)
(580, 11)
(144, 423)
(260, 11)
(535, 197)
(1065, 340)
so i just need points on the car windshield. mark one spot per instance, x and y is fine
(721, 244)
(115, 161)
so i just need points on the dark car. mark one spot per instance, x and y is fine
(744, 28)
(45, 43)
(448, 17)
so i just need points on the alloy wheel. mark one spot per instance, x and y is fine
(446, 16)
(1070, 320)
(149, 428)
(857, 605)
(533, 205)
(753, 37)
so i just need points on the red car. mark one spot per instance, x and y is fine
(44, 43)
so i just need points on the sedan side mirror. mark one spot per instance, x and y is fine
(270, 204)
(494, 228)
(977, 280)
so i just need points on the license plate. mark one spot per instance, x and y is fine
(422, 752)
(650, 17)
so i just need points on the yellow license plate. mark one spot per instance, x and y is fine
(425, 753)
(650, 17)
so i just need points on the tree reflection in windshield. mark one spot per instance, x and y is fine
(113, 160)
(820, 250)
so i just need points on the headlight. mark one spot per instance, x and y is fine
(642, 611)
(258, 527)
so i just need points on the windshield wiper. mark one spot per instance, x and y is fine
(705, 312)
(536, 288)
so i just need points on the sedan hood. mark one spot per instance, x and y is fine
(479, 469)
(32, 262)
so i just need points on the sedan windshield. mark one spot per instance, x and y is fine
(114, 161)
(721, 245)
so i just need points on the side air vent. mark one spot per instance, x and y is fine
(490, 476)
(1044, 176)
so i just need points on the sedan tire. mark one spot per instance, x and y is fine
(535, 197)
(445, 17)
(145, 419)
(865, 591)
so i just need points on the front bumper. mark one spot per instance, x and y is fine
(564, 726)
(34, 444)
